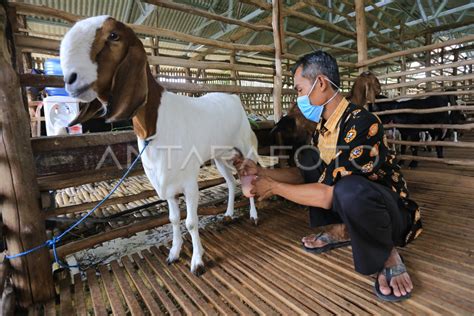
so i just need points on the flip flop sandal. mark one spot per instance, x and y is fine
(330, 244)
(389, 274)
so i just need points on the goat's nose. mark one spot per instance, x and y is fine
(72, 78)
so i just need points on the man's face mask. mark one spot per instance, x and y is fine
(313, 112)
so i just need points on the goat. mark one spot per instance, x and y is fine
(367, 88)
(292, 132)
(103, 58)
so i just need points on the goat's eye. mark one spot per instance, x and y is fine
(113, 36)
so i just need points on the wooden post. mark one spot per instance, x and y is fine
(428, 60)
(19, 193)
(361, 28)
(277, 80)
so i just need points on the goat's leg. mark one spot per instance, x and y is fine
(226, 172)
(175, 219)
(192, 224)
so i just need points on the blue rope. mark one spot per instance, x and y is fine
(51, 243)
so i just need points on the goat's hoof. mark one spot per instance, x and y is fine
(228, 220)
(199, 270)
(413, 164)
(170, 261)
(254, 221)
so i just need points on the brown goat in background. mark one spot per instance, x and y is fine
(365, 89)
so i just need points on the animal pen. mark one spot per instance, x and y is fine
(244, 47)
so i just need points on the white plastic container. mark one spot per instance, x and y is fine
(58, 112)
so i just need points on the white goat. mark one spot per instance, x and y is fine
(102, 58)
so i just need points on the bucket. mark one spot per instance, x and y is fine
(58, 112)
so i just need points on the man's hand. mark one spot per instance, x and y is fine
(263, 187)
(245, 167)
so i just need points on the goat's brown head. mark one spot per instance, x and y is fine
(365, 89)
(103, 58)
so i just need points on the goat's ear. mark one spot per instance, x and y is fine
(129, 85)
(370, 92)
(88, 111)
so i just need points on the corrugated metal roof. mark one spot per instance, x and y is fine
(428, 14)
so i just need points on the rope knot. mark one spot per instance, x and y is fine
(52, 242)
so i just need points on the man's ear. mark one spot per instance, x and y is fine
(129, 85)
(88, 111)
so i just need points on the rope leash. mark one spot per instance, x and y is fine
(51, 243)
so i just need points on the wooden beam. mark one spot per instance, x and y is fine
(20, 199)
(278, 79)
(427, 69)
(456, 41)
(207, 14)
(361, 28)
(123, 199)
(132, 229)
(426, 111)
(433, 143)
(151, 31)
(427, 80)
(448, 161)
(424, 95)
(468, 126)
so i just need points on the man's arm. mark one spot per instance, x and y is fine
(310, 194)
(285, 175)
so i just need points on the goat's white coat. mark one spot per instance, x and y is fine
(189, 131)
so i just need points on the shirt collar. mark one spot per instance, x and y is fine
(331, 124)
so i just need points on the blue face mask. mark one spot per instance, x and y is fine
(311, 111)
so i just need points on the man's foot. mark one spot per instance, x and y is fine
(334, 236)
(399, 285)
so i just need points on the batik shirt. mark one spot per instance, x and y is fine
(362, 149)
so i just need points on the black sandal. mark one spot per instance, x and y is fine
(389, 274)
(331, 244)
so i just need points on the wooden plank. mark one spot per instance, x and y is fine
(170, 284)
(197, 282)
(424, 111)
(433, 143)
(141, 287)
(79, 299)
(126, 289)
(459, 162)
(111, 290)
(171, 308)
(241, 290)
(131, 229)
(194, 295)
(207, 14)
(62, 142)
(426, 69)
(50, 12)
(468, 126)
(279, 285)
(65, 294)
(61, 181)
(227, 294)
(96, 295)
(464, 39)
(200, 285)
(20, 203)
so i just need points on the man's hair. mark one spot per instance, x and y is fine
(318, 63)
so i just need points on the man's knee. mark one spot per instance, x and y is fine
(351, 194)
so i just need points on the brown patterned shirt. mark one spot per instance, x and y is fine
(362, 149)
